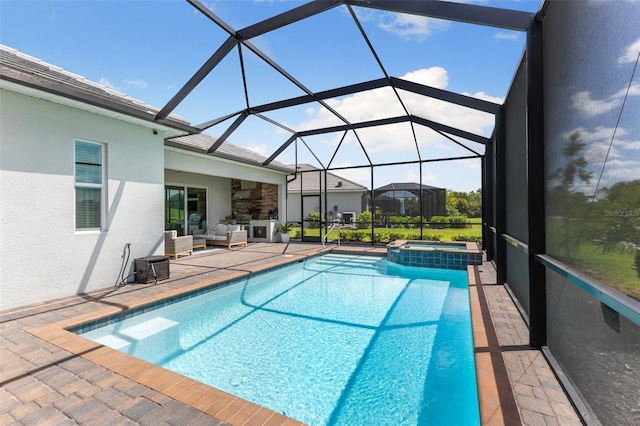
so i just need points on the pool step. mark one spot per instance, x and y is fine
(146, 340)
(368, 262)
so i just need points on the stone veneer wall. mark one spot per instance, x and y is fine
(258, 208)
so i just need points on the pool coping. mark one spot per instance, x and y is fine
(470, 246)
(496, 400)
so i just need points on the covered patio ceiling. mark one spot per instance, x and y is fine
(419, 117)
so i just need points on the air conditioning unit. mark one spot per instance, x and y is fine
(348, 217)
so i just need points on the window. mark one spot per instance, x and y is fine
(89, 185)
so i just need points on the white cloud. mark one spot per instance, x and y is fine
(472, 164)
(395, 143)
(621, 164)
(360, 175)
(583, 102)
(383, 103)
(108, 84)
(613, 175)
(618, 163)
(410, 27)
(630, 54)
(485, 97)
(627, 144)
(506, 36)
(599, 134)
(633, 90)
(435, 76)
(429, 178)
(140, 83)
(261, 149)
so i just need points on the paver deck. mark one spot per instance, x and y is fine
(50, 376)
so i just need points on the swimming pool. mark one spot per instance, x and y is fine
(333, 340)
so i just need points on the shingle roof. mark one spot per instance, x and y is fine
(28, 71)
(412, 187)
(406, 186)
(201, 143)
(311, 176)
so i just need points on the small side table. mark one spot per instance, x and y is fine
(199, 243)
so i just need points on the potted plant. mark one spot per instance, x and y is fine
(283, 230)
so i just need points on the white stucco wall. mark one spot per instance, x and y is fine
(346, 202)
(41, 254)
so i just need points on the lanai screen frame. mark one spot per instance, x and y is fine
(492, 160)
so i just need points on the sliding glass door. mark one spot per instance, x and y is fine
(196, 209)
(185, 208)
(174, 209)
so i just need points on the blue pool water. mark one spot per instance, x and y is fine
(334, 340)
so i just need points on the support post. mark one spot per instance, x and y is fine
(500, 206)
(536, 184)
(373, 209)
(486, 245)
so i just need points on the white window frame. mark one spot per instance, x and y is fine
(102, 186)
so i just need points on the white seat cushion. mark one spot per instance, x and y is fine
(216, 237)
(221, 230)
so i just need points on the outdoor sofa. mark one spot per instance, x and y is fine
(222, 235)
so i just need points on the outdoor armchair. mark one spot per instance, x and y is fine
(175, 246)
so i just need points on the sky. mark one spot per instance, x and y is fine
(149, 49)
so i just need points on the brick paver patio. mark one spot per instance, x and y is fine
(42, 383)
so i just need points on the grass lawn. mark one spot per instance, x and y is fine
(616, 269)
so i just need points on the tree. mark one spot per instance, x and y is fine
(616, 224)
(464, 203)
(564, 202)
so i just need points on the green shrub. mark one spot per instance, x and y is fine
(358, 236)
(441, 222)
(352, 235)
(470, 238)
(385, 237)
(458, 221)
(392, 236)
(363, 220)
(416, 222)
(438, 222)
(345, 235)
(315, 218)
(399, 221)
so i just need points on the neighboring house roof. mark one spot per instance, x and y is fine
(202, 142)
(28, 72)
(310, 178)
(407, 186)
